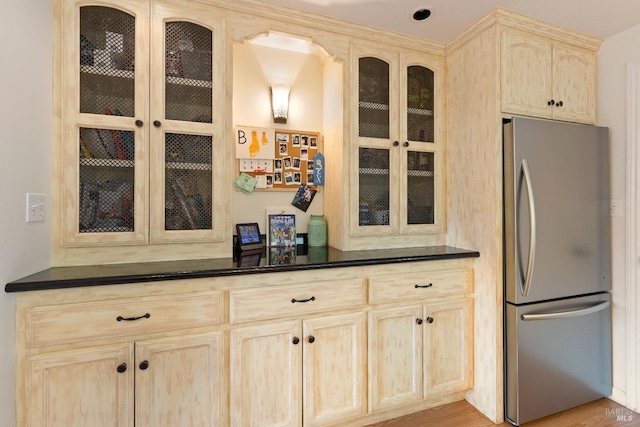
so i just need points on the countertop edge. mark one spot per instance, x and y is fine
(23, 285)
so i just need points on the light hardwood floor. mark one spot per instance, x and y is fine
(601, 413)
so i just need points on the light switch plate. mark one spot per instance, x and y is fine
(35, 207)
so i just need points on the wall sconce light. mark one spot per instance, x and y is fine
(280, 103)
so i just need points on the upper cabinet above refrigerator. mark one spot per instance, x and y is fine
(547, 79)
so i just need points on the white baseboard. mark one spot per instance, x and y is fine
(619, 396)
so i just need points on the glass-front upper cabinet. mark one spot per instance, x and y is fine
(142, 138)
(397, 148)
(105, 165)
(186, 133)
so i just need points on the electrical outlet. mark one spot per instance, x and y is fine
(615, 207)
(35, 207)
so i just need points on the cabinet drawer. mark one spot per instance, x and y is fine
(279, 301)
(58, 324)
(435, 284)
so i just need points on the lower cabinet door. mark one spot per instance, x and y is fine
(179, 381)
(266, 375)
(448, 347)
(83, 387)
(334, 367)
(395, 357)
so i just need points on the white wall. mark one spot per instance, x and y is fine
(615, 53)
(251, 108)
(26, 34)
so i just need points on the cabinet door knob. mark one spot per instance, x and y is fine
(157, 123)
(405, 144)
(122, 368)
(396, 143)
(419, 321)
(429, 319)
(559, 104)
(144, 365)
(296, 340)
(311, 338)
(552, 102)
(139, 123)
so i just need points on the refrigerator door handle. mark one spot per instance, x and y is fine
(570, 313)
(524, 166)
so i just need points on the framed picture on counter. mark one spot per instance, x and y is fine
(282, 229)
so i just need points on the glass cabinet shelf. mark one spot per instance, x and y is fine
(374, 171)
(108, 72)
(111, 163)
(373, 105)
(189, 166)
(420, 111)
(421, 173)
(129, 74)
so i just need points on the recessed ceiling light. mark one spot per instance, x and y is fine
(421, 14)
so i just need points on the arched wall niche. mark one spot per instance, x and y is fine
(316, 104)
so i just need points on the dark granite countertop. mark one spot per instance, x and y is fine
(267, 261)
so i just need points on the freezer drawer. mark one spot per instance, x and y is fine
(558, 356)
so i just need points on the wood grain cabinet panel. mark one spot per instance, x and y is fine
(68, 323)
(395, 357)
(293, 373)
(169, 381)
(419, 352)
(295, 300)
(83, 387)
(180, 381)
(417, 286)
(448, 347)
(547, 79)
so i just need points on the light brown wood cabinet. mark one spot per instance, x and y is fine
(345, 350)
(396, 148)
(547, 79)
(420, 349)
(309, 370)
(293, 373)
(121, 378)
(140, 139)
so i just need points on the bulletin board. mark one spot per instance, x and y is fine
(291, 163)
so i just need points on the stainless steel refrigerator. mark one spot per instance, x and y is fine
(557, 272)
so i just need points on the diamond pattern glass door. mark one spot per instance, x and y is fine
(420, 112)
(188, 182)
(107, 61)
(420, 187)
(106, 178)
(373, 102)
(188, 89)
(188, 157)
(374, 186)
(420, 122)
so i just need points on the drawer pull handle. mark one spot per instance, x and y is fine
(419, 321)
(424, 286)
(293, 301)
(311, 339)
(296, 340)
(122, 368)
(144, 365)
(429, 319)
(131, 319)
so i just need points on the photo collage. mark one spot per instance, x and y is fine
(292, 162)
